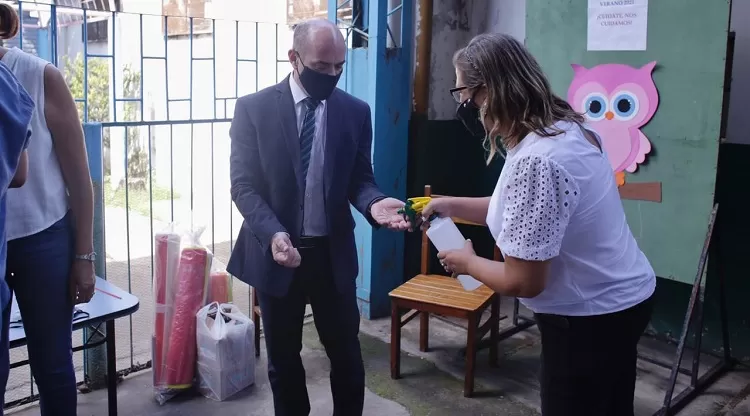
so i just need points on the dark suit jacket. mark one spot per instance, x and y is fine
(266, 180)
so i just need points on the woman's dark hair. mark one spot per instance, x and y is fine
(9, 22)
(519, 97)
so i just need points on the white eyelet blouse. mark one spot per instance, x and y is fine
(557, 200)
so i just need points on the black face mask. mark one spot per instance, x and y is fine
(318, 85)
(468, 113)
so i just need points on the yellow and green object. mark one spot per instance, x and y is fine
(414, 207)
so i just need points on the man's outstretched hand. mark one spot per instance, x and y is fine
(386, 213)
(284, 252)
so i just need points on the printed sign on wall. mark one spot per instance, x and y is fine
(617, 25)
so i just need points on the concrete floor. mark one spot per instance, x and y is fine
(516, 377)
(431, 382)
(425, 390)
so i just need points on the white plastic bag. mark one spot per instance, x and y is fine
(226, 350)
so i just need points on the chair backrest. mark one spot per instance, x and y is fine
(425, 260)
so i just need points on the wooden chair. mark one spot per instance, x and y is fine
(429, 293)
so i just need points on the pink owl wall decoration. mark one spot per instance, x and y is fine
(617, 101)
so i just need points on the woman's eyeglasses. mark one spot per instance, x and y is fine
(456, 93)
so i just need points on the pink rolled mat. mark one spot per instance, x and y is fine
(167, 257)
(219, 288)
(192, 278)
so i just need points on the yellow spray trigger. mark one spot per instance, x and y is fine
(413, 207)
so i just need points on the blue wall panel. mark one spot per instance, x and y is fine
(354, 78)
(382, 77)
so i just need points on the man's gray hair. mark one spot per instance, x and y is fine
(303, 32)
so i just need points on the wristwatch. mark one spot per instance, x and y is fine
(87, 257)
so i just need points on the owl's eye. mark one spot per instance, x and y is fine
(595, 106)
(625, 105)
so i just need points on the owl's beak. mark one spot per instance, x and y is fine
(609, 115)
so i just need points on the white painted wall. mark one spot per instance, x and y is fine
(507, 16)
(455, 22)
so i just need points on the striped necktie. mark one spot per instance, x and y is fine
(307, 134)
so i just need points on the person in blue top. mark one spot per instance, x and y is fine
(16, 109)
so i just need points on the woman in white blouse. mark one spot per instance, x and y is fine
(49, 226)
(557, 217)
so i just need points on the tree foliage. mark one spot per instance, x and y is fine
(99, 97)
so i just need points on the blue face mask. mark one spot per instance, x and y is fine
(318, 85)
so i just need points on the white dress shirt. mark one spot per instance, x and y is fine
(314, 222)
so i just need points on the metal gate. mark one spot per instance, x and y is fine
(155, 94)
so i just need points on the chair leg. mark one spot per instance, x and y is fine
(256, 322)
(494, 330)
(424, 331)
(471, 355)
(395, 341)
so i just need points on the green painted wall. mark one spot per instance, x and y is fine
(688, 40)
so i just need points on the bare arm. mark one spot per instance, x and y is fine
(21, 172)
(469, 209)
(528, 256)
(514, 277)
(67, 135)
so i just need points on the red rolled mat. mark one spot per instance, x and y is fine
(192, 277)
(167, 249)
(157, 352)
(219, 290)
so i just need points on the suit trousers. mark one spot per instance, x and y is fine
(336, 318)
(589, 362)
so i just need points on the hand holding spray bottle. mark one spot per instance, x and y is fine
(443, 233)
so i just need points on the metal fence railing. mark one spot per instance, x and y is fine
(164, 104)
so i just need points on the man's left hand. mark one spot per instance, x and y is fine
(82, 281)
(385, 212)
(457, 261)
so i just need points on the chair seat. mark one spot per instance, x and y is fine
(443, 291)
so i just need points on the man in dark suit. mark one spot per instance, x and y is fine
(300, 155)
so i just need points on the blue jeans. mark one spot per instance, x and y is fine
(5, 298)
(40, 265)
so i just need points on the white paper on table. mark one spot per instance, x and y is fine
(444, 235)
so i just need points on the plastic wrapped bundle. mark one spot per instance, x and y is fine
(192, 278)
(166, 260)
(219, 284)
